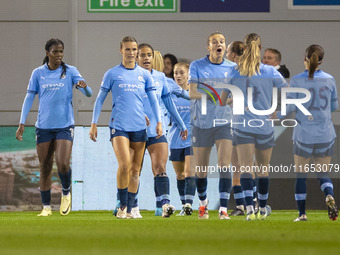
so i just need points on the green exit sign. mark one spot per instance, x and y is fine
(131, 5)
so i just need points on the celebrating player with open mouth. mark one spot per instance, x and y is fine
(205, 74)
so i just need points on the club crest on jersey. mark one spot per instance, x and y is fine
(157, 84)
(140, 78)
(63, 76)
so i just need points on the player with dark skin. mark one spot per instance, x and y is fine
(61, 148)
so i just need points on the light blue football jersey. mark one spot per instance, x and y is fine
(205, 74)
(128, 87)
(177, 91)
(183, 108)
(162, 93)
(55, 95)
(262, 85)
(317, 128)
(161, 90)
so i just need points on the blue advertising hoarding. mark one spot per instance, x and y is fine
(225, 5)
(314, 4)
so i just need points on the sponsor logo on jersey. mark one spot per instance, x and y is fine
(181, 108)
(53, 85)
(131, 86)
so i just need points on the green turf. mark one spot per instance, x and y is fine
(100, 233)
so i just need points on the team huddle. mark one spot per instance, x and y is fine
(195, 96)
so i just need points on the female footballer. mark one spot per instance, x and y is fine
(205, 74)
(252, 134)
(128, 83)
(314, 135)
(53, 82)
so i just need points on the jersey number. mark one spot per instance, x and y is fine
(322, 97)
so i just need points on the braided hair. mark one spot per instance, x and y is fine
(48, 46)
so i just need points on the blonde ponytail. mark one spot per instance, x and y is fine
(157, 62)
(249, 63)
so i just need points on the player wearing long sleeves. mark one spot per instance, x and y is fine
(128, 83)
(53, 82)
(180, 150)
(157, 146)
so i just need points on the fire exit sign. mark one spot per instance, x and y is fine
(131, 5)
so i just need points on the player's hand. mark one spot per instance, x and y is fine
(159, 130)
(93, 132)
(147, 120)
(81, 84)
(273, 116)
(230, 101)
(184, 134)
(20, 131)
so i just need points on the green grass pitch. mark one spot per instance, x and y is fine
(98, 232)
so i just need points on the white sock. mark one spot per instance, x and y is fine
(204, 202)
(47, 207)
(241, 207)
(250, 208)
(222, 209)
(262, 209)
